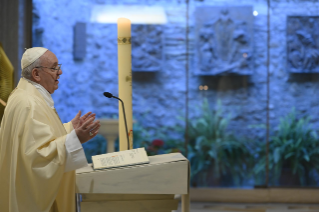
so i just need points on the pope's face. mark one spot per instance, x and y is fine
(48, 76)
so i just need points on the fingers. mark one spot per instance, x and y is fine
(86, 116)
(95, 125)
(93, 115)
(78, 115)
(95, 131)
(96, 128)
(93, 134)
(87, 122)
(88, 130)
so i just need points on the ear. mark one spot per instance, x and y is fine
(35, 74)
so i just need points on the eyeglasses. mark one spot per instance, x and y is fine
(57, 68)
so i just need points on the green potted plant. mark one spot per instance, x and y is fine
(293, 152)
(215, 155)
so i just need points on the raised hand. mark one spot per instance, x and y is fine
(88, 130)
(77, 121)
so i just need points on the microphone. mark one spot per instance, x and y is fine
(109, 95)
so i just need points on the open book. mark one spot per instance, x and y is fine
(122, 158)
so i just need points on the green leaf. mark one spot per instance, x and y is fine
(277, 154)
(287, 156)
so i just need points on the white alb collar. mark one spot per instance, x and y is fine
(46, 95)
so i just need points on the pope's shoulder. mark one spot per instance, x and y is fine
(20, 98)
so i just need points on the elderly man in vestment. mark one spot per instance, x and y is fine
(39, 154)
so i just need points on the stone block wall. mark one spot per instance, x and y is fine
(159, 98)
(290, 90)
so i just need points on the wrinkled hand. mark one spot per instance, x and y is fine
(78, 120)
(88, 130)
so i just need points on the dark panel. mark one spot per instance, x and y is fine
(15, 30)
(9, 29)
(79, 48)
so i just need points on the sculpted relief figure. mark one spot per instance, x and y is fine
(224, 28)
(224, 46)
(303, 41)
(146, 47)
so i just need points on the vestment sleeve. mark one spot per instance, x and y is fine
(75, 156)
(68, 127)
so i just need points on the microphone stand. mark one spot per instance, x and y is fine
(128, 142)
(109, 95)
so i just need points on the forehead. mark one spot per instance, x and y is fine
(50, 58)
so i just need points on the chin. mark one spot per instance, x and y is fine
(52, 91)
(55, 88)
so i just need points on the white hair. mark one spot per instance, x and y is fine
(27, 71)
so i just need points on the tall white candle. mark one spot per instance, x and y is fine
(125, 80)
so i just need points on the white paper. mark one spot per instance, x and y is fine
(122, 158)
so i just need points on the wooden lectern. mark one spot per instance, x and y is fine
(147, 187)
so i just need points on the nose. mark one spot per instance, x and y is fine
(60, 71)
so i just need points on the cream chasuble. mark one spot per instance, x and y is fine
(32, 156)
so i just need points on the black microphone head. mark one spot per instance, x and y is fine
(107, 94)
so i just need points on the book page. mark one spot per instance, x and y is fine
(154, 160)
(123, 158)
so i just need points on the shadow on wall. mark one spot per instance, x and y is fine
(146, 77)
(226, 83)
(304, 77)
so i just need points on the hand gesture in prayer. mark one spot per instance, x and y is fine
(88, 130)
(78, 120)
(85, 126)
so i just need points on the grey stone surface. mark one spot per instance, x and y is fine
(287, 89)
(159, 98)
(147, 47)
